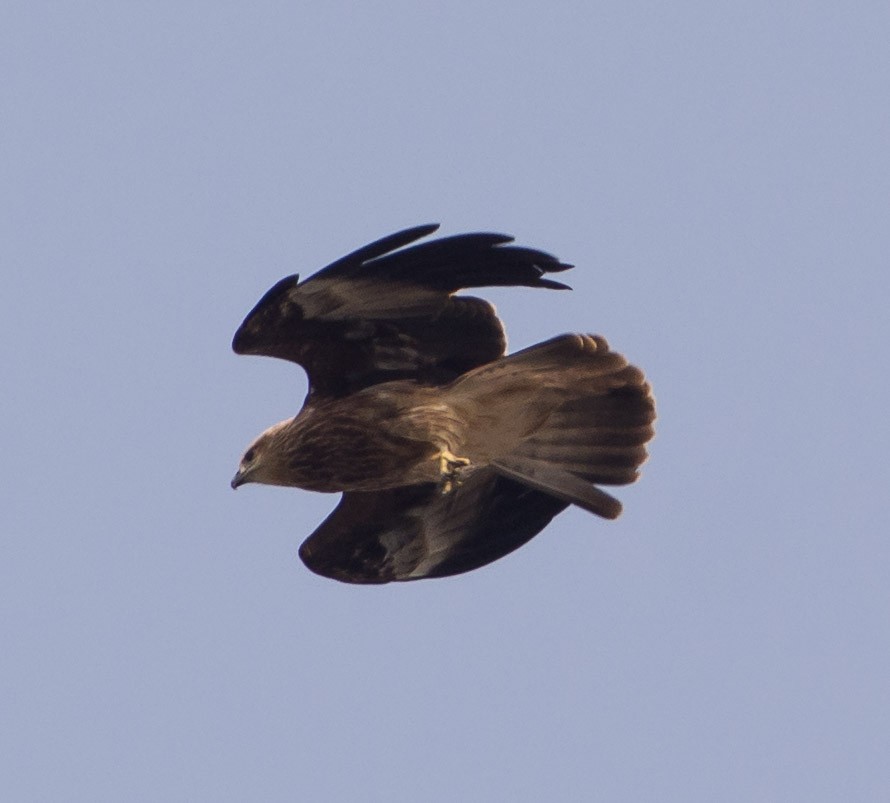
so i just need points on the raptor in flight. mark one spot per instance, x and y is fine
(449, 455)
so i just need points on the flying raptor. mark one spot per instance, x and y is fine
(449, 454)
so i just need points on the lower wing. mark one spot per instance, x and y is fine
(417, 531)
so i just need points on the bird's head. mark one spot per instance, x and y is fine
(264, 460)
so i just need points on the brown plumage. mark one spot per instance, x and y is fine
(449, 454)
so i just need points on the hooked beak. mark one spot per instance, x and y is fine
(238, 479)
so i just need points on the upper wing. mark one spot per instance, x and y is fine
(380, 313)
(417, 531)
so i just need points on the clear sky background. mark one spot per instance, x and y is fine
(720, 175)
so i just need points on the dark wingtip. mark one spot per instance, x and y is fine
(423, 230)
(553, 266)
(553, 285)
(242, 342)
(405, 236)
(385, 245)
(239, 340)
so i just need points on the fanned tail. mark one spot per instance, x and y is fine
(584, 419)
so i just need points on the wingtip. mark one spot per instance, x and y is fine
(553, 285)
(415, 232)
(239, 346)
(240, 342)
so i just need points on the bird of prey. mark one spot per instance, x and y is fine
(449, 454)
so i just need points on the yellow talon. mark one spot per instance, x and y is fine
(449, 465)
(448, 462)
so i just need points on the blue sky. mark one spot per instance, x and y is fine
(718, 172)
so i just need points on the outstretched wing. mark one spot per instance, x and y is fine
(387, 312)
(417, 531)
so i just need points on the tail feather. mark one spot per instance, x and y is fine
(608, 467)
(600, 428)
(605, 437)
(560, 484)
(549, 357)
(561, 416)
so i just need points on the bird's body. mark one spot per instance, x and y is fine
(449, 454)
(341, 444)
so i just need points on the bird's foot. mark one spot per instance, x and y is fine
(449, 469)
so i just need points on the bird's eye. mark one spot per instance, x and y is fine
(249, 455)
